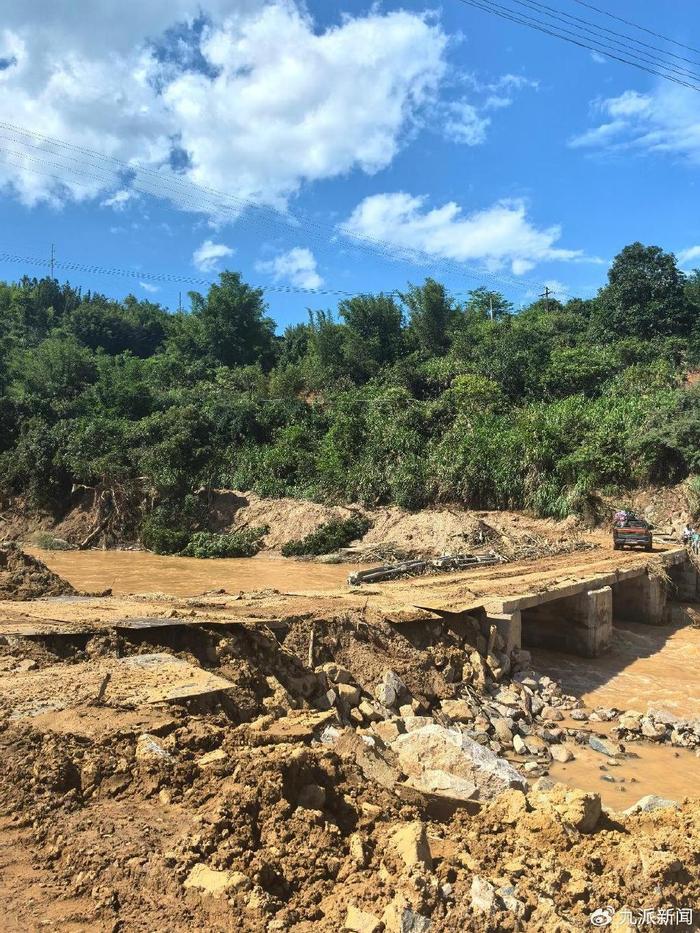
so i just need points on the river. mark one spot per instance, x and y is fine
(128, 572)
(647, 667)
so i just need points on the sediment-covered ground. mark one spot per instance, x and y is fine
(345, 772)
(429, 532)
(25, 577)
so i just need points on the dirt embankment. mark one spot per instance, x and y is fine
(394, 532)
(25, 577)
(346, 773)
(427, 533)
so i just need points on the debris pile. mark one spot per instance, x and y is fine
(412, 568)
(25, 577)
(451, 563)
(657, 726)
(336, 775)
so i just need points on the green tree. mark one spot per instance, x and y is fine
(431, 317)
(374, 332)
(231, 323)
(644, 297)
(487, 304)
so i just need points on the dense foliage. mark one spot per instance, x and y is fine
(328, 537)
(244, 543)
(408, 399)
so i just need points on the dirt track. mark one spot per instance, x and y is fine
(396, 600)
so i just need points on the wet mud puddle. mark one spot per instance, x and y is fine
(126, 572)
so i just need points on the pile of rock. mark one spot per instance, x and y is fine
(658, 726)
(517, 716)
(417, 864)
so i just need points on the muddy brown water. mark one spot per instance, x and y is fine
(651, 769)
(647, 667)
(127, 572)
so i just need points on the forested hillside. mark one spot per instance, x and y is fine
(409, 399)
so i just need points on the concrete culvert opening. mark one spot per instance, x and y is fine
(579, 624)
(642, 598)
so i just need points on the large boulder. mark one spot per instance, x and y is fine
(449, 764)
(577, 808)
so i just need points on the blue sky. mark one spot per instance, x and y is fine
(444, 140)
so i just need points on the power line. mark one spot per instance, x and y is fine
(165, 277)
(594, 29)
(186, 192)
(387, 251)
(514, 16)
(628, 22)
(626, 56)
(174, 278)
(187, 201)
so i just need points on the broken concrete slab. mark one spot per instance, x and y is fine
(134, 681)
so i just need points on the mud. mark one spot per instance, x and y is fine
(250, 779)
(23, 576)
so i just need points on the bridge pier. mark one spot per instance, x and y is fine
(510, 627)
(641, 599)
(579, 624)
(685, 579)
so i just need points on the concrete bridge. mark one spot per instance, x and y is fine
(567, 602)
(577, 617)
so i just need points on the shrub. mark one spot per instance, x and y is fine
(692, 491)
(162, 539)
(328, 537)
(48, 542)
(245, 543)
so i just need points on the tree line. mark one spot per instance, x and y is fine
(412, 398)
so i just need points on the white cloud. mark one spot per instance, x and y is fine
(206, 257)
(78, 25)
(467, 121)
(465, 125)
(290, 103)
(297, 266)
(147, 287)
(598, 58)
(498, 236)
(688, 256)
(119, 199)
(666, 121)
(274, 102)
(628, 104)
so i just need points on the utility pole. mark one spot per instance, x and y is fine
(546, 294)
(179, 302)
(53, 259)
(491, 306)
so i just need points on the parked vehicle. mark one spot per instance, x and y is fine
(631, 531)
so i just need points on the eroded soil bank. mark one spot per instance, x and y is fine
(194, 769)
(393, 531)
